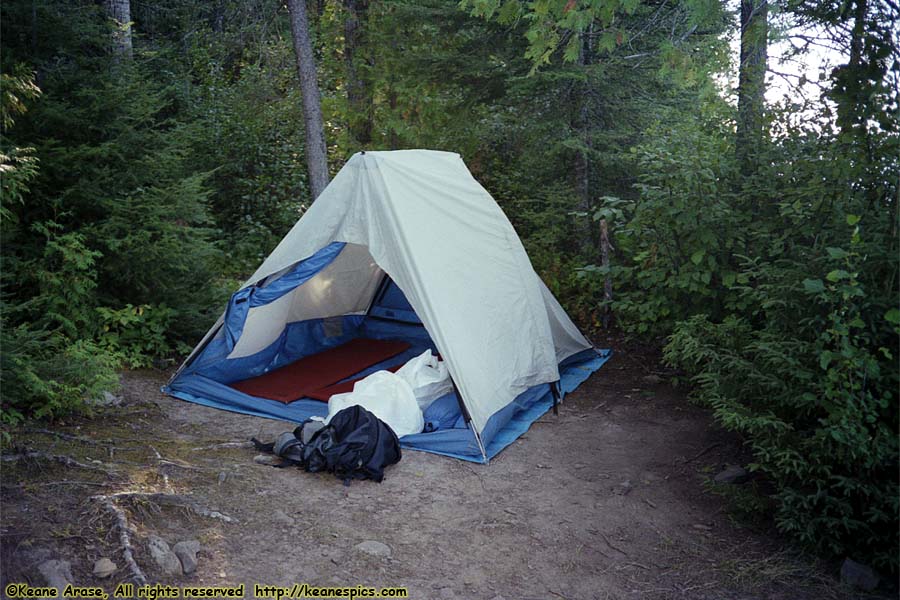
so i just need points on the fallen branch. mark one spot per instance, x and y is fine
(124, 537)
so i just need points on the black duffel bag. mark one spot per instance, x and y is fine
(354, 445)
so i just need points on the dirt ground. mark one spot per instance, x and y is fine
(606, 500)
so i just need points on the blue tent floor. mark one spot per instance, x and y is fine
(530, 406)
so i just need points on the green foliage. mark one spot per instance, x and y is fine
(18, 166)
(116, 215)
(134, 335)
(557, 25)
(65, 278)
(46, 375)
(682, 233)
(804, 365)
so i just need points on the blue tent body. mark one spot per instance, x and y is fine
(215, 363)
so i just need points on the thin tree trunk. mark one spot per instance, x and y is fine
(582, 127)
(120, 12)
(356, 56)
(393, 138)
(752, 82)
(316, 153)
(605, 248)
(217, 16)
(850, 80)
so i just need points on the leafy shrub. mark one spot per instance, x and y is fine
(45, 375)
(134, 335)
(809, 378)
(65, 279)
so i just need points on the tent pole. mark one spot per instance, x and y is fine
(379, 291)
(459, 399)
(480, 444)
(468, 418)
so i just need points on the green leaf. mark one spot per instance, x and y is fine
(728, 278)
(837, 275)
(837, 253)
(852, 219)
(893, 316)
(813, 286)
(824, 359)
(697, 257)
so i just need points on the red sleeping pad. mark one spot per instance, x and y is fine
(324, 394)
(306, 377)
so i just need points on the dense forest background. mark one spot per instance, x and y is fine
(153, 152)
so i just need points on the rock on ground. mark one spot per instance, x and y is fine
(732, 474)
(374, 548)
(104, 567)
(279, 516)
(107, 399)
(187, 553)
(267, 459)
(57, 573)
(859, 576)
(163, 556)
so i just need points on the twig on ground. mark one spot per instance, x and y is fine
(162, 471)
(608, 543)
(182, 465)
(702, 452)
(124, 537)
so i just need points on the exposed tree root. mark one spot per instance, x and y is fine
(55, 483)
(124, 537)
(176, 500)
(71, 438)
(60, 458)
(224, 445)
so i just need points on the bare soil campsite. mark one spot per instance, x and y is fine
(609, 499)
(450, 299)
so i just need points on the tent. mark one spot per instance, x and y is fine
(407, 247)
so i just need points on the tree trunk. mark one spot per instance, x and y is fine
(358, 60)
(217, 16)
(393, 138)
(605, 248)
(581, 125)
(316, 153)
(120, 12)
(851, 88)
(752, 82)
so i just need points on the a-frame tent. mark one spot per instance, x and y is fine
(402, 245)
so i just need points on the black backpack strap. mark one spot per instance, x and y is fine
(260, 447)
